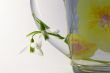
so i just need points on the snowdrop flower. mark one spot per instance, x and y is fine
(38, 39)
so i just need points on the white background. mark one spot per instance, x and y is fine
(15, 23)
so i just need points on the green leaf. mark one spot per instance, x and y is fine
(32, 50)
(33, 33)
(43, 26)
(56, 35)
(45, 35)
(67, 39)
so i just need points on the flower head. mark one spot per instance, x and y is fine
(81, 47)
(94, 22)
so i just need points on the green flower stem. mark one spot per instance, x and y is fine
(56, 35)
(33, 33)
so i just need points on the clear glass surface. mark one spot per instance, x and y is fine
(89, 34)
(89, 22)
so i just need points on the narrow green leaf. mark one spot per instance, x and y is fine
(32, 50)
(40, 21)
(67, 39)
(56, 35)
(46, 36)
(33, 33)
(43, 26)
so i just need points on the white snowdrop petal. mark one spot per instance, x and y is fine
(53, 30)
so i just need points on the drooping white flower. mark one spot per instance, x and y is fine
(38, 43)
